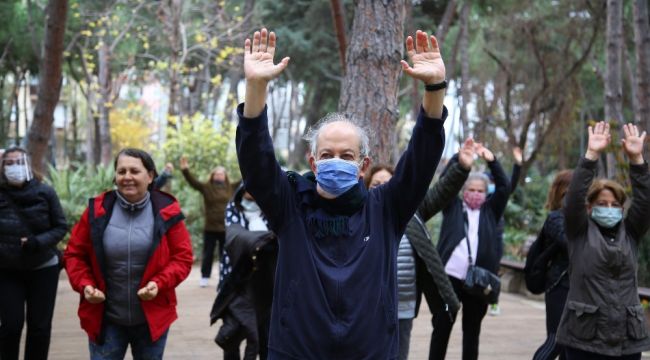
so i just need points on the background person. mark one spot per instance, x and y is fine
(247, 274)
(126, 255)
(31, 225)
(557, 279)
(603, 318)
(419, 268)
(469, 227)
(216, 192)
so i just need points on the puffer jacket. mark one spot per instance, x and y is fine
(603, 314)
(42, 222)
(406, 289)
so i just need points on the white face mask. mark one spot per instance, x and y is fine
(249, 205)
(16, 174)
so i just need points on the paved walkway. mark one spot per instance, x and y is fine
(515, 334)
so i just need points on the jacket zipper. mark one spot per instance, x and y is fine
(128, 268)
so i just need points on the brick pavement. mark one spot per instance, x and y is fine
(514, 334)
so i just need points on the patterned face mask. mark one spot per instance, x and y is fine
(474, 199)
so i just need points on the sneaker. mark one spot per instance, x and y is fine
(495, 310)
(203, 282)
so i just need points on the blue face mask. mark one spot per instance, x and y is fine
(491, 188)
(606, 217)
(336, 176)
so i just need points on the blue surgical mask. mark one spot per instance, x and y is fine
(491, 188)
(606, 217)
(336, 176)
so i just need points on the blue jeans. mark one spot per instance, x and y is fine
(117, 338)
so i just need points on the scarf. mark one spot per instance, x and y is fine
(329, 217)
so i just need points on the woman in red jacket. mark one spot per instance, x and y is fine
(125, 257)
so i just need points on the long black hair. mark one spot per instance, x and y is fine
(144, 156)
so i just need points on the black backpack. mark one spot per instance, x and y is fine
(536, 266)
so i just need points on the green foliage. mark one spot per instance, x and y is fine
(74, 186)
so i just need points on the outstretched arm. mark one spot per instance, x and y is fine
(415, 168)
(450, 183)
(261, 173)
(575, 210)
(517, 153)
(194, 182)
(636, 221)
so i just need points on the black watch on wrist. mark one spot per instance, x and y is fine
(436, 86)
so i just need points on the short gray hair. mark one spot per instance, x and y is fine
(477, 176)
(314, 132)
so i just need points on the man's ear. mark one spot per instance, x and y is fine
(365, 165)
(312, 163)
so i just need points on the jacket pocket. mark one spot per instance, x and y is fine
(583, 319)
(635, 322)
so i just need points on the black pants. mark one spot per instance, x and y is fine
(37, 289)
(555, 300)
(210, 239)
(474, 309)
(575, 354)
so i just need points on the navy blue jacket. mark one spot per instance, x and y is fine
(335, 297)
(452, 231)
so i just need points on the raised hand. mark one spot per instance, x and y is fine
(427, 62)
(93, 295)
(258, 59)
(483, 152)
(148, 292)
(633, 143)
(599, 138)
(184, 165)
(518, 155)
(466, 154)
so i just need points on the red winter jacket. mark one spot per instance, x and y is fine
(169, 264)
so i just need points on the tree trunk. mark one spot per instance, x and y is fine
(339, 28)
(313, 111)
(50, 83)
(445, 22)
(104, 103)
(464, 67)
(370, 86)
(75, 127)
(172, 26)
(642, 44)
(613, 78)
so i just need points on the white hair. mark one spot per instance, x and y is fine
(477, 176)
(314, 132)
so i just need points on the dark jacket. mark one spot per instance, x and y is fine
(170, 261)
(335, 295)
(215, 198)
(603, 313)
(42, 222)
(431, 277)
(553, 235)
(452, 230)
(245, 291)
